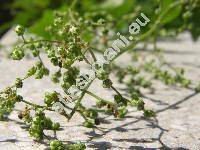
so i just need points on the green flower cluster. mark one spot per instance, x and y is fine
(34, 47)
(19, 30)
(50, 98)
(117, 109)
(71, 46)
(56, 76)
(69, 78)
(7, 102)
(167, 77)
(139, 104)
(39, 123)
(58, 145)
(18, 53)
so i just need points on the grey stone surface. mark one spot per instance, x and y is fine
(178, 109)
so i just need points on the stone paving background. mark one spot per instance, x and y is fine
(178, 109)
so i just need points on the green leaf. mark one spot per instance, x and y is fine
(172, 14)
(119, 9)
(39, 27)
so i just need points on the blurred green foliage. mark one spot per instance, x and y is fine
(28, 12)
(37, 14)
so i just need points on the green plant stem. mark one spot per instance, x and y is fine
(46, 136)
(97, 50)
(118, 92)
(92, 54)
(86, 60)
(112, 87)
(49, 41)
(39, 57)
(31, 104)
(81, 113)
(23, 39)
(65, 105)
(98, 98)
(79, 101)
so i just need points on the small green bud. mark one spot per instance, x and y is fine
(56, 126)
(31, 46)
(120, 100)
(76, 146)
(185, 82)
(102, 75)
(19, 98)
(39, 64)
(18, 53)
(101, 103)
(88, 124)
(107, 83)
(58, 74)
(50, 98)
(54, 78)
(38, 45)
(39, 74)
(67, 63)
(65, 86)
(91, 113)
(86, 113)
(45, 71)
(51, 53)
(55, 61)
(35, 53)
(19, 30)
(19, 83)
(122, 112)
(149, 113)
(69, 55)
(80, 58)
(56, 145)
(138, 103)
